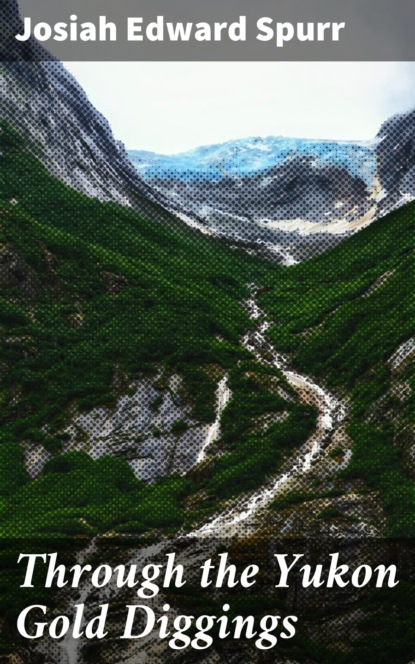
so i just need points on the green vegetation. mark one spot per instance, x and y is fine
(102, 286)
(78, 496)
(290, 499)
(342, 316)
(250, 452)
(93, 295)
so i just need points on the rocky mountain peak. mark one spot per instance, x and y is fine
(44, 102)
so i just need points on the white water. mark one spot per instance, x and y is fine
(223, 395)
(69, 646)
(331, 413)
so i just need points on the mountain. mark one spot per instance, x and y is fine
(395, 154)
(251, 155)
(65, 131)
(293, 198)
(129, 346)
(275, 192)
(116, 331)
(163, 390)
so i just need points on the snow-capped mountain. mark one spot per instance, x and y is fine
(250, 155)
(274, 192)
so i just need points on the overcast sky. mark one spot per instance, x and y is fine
(174, 106)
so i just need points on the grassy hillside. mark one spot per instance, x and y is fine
(93, 295)
(341, 317)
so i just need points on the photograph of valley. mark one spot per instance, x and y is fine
(207, 324)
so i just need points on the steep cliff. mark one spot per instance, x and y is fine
(74, 141)
(396, 159)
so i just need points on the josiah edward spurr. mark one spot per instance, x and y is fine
(167, 31)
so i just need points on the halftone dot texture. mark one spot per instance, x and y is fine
(158, 380)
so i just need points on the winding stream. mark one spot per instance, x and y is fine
(235, 519)
(331, 414)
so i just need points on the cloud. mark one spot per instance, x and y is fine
(174, 106)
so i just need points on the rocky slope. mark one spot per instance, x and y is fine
(73, 140)
(396, 159)
(275, 192)
(292, 197)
